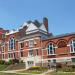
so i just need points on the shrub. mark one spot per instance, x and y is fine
(34, 68)
(15, 61)
(38, 68)
(10, 62)
(2, 62)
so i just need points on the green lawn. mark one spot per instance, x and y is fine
(32, 72)
(60, 73)
(8, 74)
(2, 67)
(12, 74)
(53, 73)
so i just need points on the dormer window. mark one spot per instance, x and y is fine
(11, 44)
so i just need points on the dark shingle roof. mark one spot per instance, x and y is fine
(60, 36)
(36, 22)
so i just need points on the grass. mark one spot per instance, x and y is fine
(12, 74)
(31, 72)
(51, 73)
(8, 74)
(60, 73)
(2, 67)
(34, 70)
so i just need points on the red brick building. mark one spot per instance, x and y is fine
(33, 44)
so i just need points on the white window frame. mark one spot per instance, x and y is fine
(71, 45)
(20, 45)
(10, 56)
(53, 47)
(2, 56)
(20, 54)
(9, 46)
(29, 53)
(31, 43)
(2, 48)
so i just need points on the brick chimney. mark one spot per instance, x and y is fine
(45, 22)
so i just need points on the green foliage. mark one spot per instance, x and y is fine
(10, 62)
(65, 68)
(3, 66)
(38, 68)
(2, 62)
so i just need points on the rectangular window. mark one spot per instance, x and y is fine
(3, 49)
(30, 63)
(3, 35)
(14, 55)
(21, 45)
(37, 52)
(21, 53)
(31, 43)
(2, 56)
(10, 55)
(30, 52)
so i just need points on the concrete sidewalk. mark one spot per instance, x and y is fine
(16, 71)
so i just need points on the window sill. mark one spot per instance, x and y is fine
(12, 50)
(51, 54)
(72, 52)
(31, 56)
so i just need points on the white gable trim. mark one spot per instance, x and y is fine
(31, 27)
(42, 27)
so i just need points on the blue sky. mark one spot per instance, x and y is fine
(60, 14)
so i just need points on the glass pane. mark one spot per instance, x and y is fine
(73, 44)
(30, 52)
(51, 52)
(71, 48)
(48, 50)
(74, 40)
(74, 49)
(51, 49)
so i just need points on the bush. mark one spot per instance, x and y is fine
(10, 62)
(34, 68)
(67, 69)
(15, 61)
(38, 68)
(2, 62)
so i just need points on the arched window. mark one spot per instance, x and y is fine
(72, 46)
(11, 44)
(51, 49)
(62, 44)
